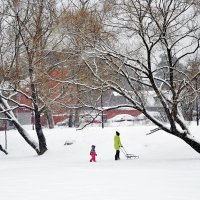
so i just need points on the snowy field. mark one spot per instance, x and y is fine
(168, 169)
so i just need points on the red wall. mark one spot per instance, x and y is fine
(111, 113)
(108, 115)
(56, 119)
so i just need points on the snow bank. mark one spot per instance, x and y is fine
(168, 169)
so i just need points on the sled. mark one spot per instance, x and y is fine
(128, 155)
(69, 142)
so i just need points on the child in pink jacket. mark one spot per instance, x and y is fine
(93, 154)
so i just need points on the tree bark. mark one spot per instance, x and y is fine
(22, 132)
(10, 115)
(38, 126)
(49, 118)
(39, 131)
(191, 142)
(70, 122)
(3, 150)
(76, 118)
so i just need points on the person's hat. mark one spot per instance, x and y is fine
(117, 133)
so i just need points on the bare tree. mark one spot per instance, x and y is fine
(83, 29)
(145, 30)
(190, 103)
(30, 25)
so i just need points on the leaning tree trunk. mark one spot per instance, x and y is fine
(192, 142)
(23, 133)
(189, 139)
(3, 150)
(10, 115)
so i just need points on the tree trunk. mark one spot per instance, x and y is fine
(3, 150)
(189, 139)
(49, 118)
(194, 144)
(23, 133)
(76, 118)
(38, 126)
(70, 122)
(10, 115)
(39, 131)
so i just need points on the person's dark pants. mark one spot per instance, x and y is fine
(117, 155)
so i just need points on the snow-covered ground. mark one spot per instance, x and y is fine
(168, 169)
